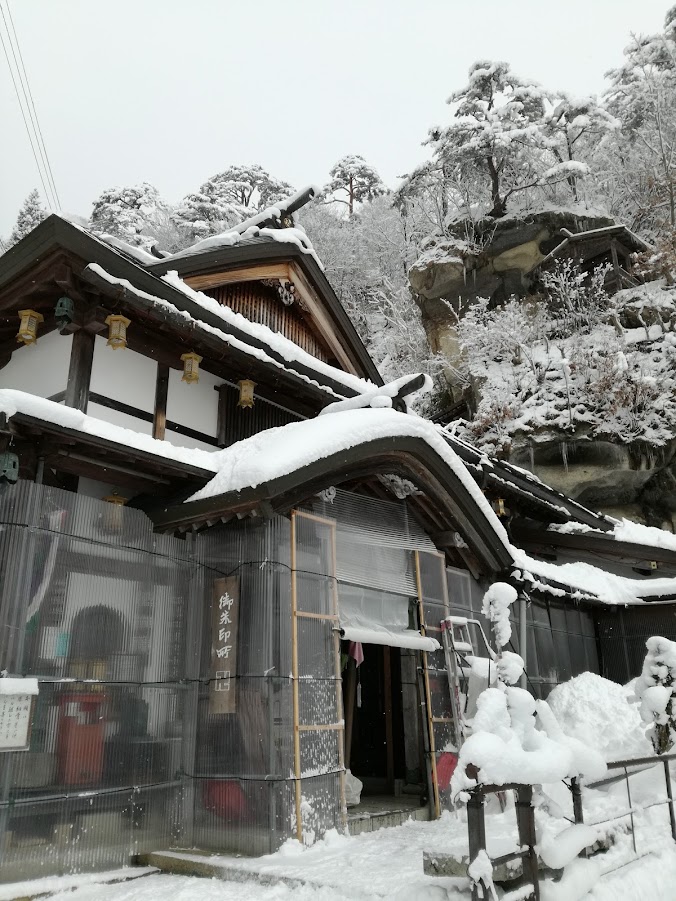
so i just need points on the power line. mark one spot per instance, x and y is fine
(42, 169)
(30, 137)
(35, 115)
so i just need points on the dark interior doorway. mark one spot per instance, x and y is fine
(374, 722)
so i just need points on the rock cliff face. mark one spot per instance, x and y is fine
(495, 264)
(615, 472)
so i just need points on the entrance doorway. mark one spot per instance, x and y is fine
(374, 719)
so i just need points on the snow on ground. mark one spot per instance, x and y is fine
(388, 864)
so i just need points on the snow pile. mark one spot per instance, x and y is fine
(505, 746)
(561, 850)
(624, 530)
(655, 688)
(597, 712)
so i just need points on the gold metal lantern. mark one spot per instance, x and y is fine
(246, 393)
(117, 331)
(191, 367)
(28, 326)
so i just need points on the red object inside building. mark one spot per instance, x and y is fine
(79, 746)
(446, 765)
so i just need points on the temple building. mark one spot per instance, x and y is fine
(227, 549)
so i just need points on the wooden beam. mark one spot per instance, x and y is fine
(221, 437)
(161, 393)
(320, 319)
(232, 276)
(80, 370)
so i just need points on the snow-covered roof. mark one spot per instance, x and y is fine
(267, 225)
(13, 402)
(274, 453)
(275, 341)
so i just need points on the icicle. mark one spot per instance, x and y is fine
(564, 455)
(531, 454)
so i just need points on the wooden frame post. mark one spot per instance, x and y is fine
(294, 675)
(80, 370)
(161, 394)
(434, 799)
(330, 620)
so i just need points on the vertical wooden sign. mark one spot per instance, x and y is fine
(224, 623)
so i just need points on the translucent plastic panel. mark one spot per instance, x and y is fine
(319, 752)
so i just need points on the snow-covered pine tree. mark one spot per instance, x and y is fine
(496, 136)
(353, 180)
(131, 213)
(573, 128)
(228, 198)
(202, 214)
(31, 214)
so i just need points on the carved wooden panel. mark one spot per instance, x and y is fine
(259, 303)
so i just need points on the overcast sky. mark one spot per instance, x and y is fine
(173, 91)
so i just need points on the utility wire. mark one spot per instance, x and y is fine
(36, 121)
(21, 107)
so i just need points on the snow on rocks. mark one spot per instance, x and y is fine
(598, 713)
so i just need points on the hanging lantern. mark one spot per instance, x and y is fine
(113, 519)
(117, 331)
(499, 506)
(9, 467)
(64, 312)
(246, 393)
(28, 328)
(191, 367)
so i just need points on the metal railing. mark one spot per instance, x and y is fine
(629, 768)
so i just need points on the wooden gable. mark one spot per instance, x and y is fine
(253, 291)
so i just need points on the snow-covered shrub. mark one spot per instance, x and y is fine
(655, 688)
(574, 366)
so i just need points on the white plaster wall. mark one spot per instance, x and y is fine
(121, 419)
(40, 368)
(123, 375)
(179, 440)
(194, 406)
(92, 488)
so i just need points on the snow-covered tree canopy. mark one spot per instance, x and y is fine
(353, 180)
(31, 214)
(227, 198)
(128, 213)
(495, 132)
(643, 97)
